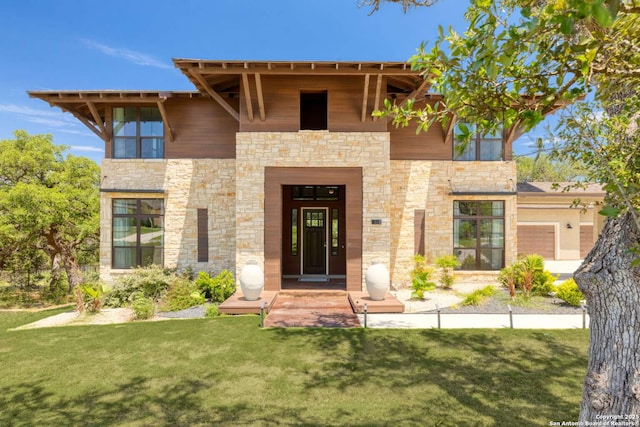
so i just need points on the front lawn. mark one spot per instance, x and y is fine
(228, 372)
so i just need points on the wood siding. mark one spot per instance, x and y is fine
(282, 104)
(418, 231)
(586, 240)
(430, 145)
(203, 235)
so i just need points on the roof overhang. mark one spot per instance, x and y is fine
(216, 79)
(90, 107)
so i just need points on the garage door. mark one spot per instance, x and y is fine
(537, 239)
(586, 239)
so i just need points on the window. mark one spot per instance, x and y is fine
(479, 147)
(313, 110)
(138, 133)
(478, 234)
(138, 232)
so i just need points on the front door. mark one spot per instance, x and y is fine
(314, 241)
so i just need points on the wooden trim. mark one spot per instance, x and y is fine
(376, 103)
(213, 94)
(365, 96)
(203, 235)
(165, 119)
(447, 134)
(86, 122)
(275, 178)
(260, 97)
(98, 119)
(418, 231)
(247, 96)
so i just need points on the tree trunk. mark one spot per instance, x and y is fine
(71, 267)
(610, 283)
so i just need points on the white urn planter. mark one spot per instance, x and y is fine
(377, 280)
(251, 280)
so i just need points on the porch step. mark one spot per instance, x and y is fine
(317, 309)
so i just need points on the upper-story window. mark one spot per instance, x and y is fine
(138, 133)
(314, 110)
(480, 147)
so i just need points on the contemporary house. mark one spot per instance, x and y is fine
(549, 224)
(283, 162)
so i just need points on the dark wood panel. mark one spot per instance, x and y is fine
(418, 231)
(203, 235)
(202, 129)
(282, 104)
(586, 239)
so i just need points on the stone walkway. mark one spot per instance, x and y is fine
(312, 309)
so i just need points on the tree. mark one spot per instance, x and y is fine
(48, 202)
(520, 60)
(544, 168)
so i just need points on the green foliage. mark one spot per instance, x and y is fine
(218, 288)
(420, 276)
(48, 202)
(447, 263)
(151, 281)
(143, 307)
(212, 311)
(569, 292)
(527, 275)
(478, 296)
(545, 168)
(181, 294)
(91, 296)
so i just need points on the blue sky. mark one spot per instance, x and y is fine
(129, 44)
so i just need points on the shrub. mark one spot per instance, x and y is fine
(527, 275)
(143, 307)
(447, 263)
(151, 281)
(478, 296)
(218, 288)
(91, 296)
(420, 277)
(569, 292)
(212, 311)
(182, 293)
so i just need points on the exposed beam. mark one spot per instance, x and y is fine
(420, 89)
(165, 119)
(247, 96)
(260, 97)
(447, 134)
(87, 123)
(376, 103)
(365, 97)
(97, 118)
(213, 94)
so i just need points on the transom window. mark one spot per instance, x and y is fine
(138, 232)
(480, 147)
(478, 234)
(138, 133)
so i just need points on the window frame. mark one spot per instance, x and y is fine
(478, 217)
(476, 142)
(138, 217)
(139, 137)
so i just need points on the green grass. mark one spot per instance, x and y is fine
(228, 372)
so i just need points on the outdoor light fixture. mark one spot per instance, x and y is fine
(569, 226)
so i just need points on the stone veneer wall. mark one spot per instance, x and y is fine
(257, 150)
(186, 185)
(428, 185)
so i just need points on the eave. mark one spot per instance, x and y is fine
(90, 107)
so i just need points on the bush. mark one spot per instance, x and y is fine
(527, 275)
(151, 281)
(569, 292)
(182, 293)
(91, 296)
(447, 263)
(217, 288)
(478, 296)
(212, 311)
(420, 277)
(143, 307)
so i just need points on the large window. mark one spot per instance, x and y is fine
(478, 234)
(138, 232)
(480, 147)
(138, 132)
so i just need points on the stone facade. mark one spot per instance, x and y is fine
(429, 186)
(257, 150)
(185, 185)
